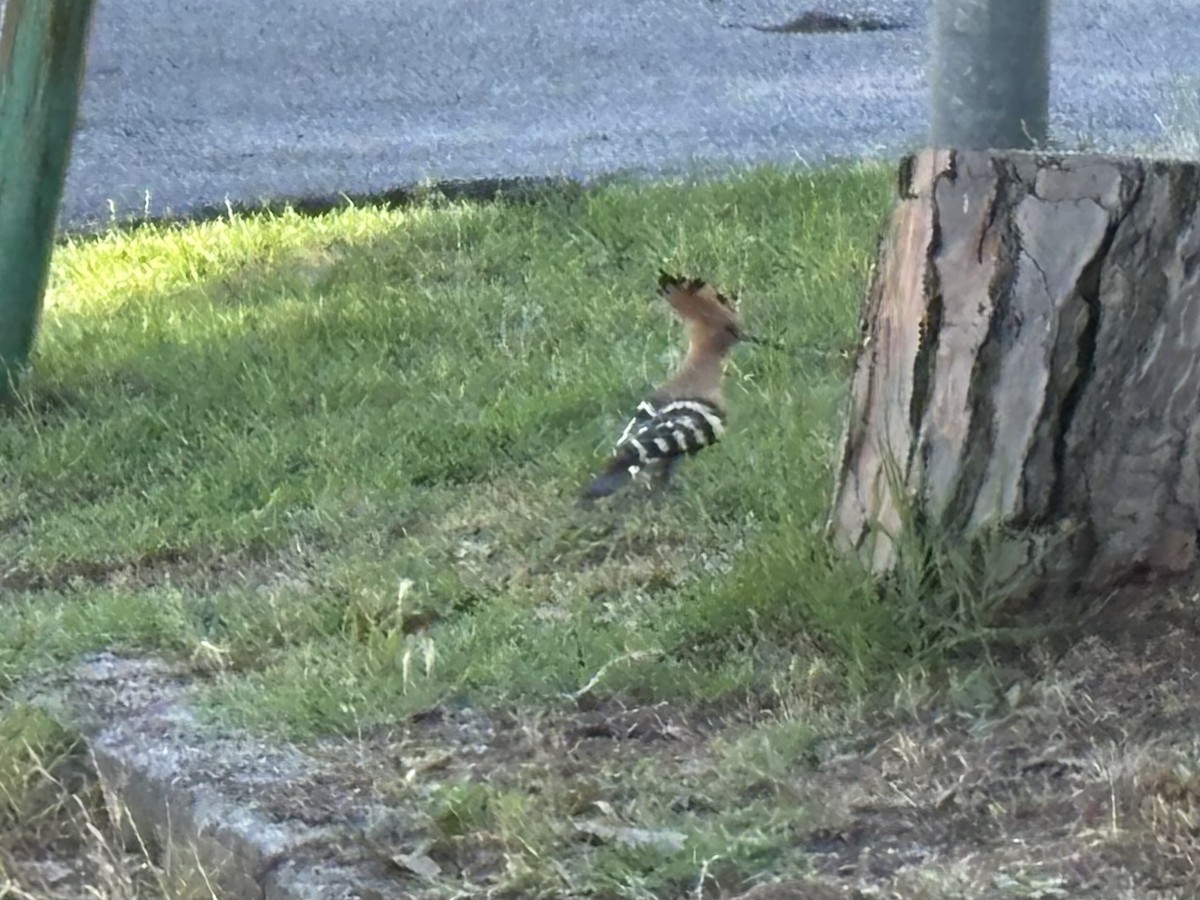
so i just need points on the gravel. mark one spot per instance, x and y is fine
(192, 103)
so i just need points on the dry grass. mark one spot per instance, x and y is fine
(63, 834)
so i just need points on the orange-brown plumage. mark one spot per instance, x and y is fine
(687, 412)
(713, 328)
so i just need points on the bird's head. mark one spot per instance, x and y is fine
(701, 305)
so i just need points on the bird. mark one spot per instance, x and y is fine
(687, 413)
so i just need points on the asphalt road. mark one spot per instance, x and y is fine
(190, 102)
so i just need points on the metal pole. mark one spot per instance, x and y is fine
(42, 51)
(990, 74)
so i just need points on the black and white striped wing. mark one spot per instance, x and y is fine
(671, 429)
(658, 433)
(644, 415)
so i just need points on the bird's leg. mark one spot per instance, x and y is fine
(660, 478)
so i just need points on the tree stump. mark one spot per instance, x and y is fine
(1030, 365)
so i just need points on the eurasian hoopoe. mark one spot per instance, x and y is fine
(687, 413)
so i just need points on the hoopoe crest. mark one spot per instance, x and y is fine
(687, 413)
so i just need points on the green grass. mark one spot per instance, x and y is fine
(334, 462)
(249, 433)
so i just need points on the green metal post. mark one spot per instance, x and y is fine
(990, 74)
(42, 49)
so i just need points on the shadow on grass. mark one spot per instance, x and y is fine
(258, 428)
(519, 190)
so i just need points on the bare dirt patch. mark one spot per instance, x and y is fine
(1084, 784)
(195, 568)
(1081, 780)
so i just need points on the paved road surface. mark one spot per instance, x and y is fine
(194, 101)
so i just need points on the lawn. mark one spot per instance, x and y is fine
(331, 463)
(343, 451)
(335, 458)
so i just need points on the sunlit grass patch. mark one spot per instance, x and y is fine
(248, 434)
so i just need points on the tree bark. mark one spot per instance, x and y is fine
(1031, 360)
(990, 74)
